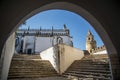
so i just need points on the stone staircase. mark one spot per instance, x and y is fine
(91, 67)
(30, 67)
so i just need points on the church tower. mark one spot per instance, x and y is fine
(90, 42)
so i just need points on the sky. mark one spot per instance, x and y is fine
(77, 25)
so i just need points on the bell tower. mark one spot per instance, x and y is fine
(90, 42)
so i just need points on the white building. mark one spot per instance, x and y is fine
(33, 41)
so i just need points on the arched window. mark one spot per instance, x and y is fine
(59, 40)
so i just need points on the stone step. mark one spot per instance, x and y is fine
(32, 68)
(89, 70)
(89, 63)
(86, 77)
(29, 62)
(30, 76)
(86, 74)
(32, 73)
(92, 61)
(26, 56)
(90, 58)
(29, 71)
(89, 66)
(100, 56)
(43, 78)
(92, 69)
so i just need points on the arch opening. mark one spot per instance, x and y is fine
(80, 11)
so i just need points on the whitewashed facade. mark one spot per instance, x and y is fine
(33, 41)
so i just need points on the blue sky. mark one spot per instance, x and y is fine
(77, 25)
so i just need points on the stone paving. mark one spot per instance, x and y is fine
(55, 78)
(46, 78)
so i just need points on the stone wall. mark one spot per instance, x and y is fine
(51, 54)
(68, 55)
(98, 49)
(61, 56)
(6, 57)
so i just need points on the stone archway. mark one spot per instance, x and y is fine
(80, 8)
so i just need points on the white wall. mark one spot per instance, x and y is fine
(101, 52)
(8, 52)
(42, 43)
(28, 43)
(68, 55)
(66, 40)
(51, 54)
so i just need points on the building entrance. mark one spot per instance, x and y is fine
(29, 51)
